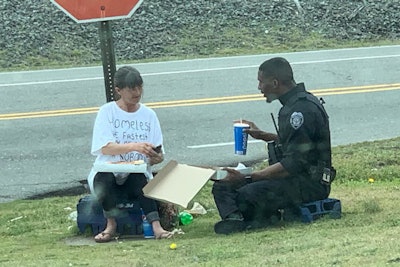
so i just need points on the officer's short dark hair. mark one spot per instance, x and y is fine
(127, 76)
(279, 68)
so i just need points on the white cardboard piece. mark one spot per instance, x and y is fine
(109, 167)
(221, 174)
(177, 183)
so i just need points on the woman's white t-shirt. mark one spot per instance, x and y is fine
(114, 125)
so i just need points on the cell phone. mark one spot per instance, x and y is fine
(157, 149)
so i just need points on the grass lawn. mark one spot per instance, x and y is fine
(39, 232)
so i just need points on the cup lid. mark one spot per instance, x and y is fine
(238, 124)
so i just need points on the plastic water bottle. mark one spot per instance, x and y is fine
(185, 217)
(147, 228)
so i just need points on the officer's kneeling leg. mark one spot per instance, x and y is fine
(260, 201)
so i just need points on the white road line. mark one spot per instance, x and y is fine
(322, 51)
(54, 81)
(206, 70)
(221, 144)
(343, 59)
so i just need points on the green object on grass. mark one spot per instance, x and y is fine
(185, 217)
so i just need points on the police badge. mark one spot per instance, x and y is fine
(296, 120)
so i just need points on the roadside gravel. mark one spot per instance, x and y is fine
(35, 33)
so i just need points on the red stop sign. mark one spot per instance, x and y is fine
(97, 10)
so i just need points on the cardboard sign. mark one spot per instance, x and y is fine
(177, 183)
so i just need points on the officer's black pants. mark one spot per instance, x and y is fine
(256, 201)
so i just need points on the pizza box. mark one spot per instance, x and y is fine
(177, 183)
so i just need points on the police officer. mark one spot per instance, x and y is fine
(301, 173)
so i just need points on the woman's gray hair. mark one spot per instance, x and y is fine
(127, 76)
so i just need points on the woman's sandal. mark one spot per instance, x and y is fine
(104, 237)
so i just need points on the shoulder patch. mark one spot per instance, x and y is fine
(296, 120)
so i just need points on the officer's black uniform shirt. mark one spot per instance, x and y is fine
(305, 139)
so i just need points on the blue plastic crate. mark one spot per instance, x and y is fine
(90, 214)
(314, 210)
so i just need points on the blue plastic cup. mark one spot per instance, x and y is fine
(147, 227)
(240, 138)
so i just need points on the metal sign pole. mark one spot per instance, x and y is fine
(108, 58)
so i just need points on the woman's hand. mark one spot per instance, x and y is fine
(116, 149)
(156, 158)
(145, 148)
(154, 154)
(151, 152)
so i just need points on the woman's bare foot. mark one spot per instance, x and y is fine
(104, 237)
(164, 235)
(159, 232)
(109, 233)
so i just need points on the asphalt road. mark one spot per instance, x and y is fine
(46, 117)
